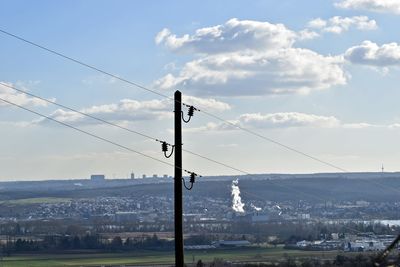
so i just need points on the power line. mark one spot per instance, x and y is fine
(119, 126)
(87, 133)
(142, 134)
(130, 130)
(84, 64)
(159, 94)
(273, 141)
(79, 112)
(109, 123)
(170, 98)
(145, 135)
(216, 162)
(140, 153)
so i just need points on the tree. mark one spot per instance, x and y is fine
(116, 243)
(65, 243)
(76, 242)
(128, 242)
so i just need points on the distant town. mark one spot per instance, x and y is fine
(343, 212)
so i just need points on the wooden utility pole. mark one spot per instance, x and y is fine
(179, 256)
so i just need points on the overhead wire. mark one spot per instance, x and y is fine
(120, 127)
(122, 146)
(135, 151)
(85, 64)
(168, 97)
(86, 132)
(114, 125)
(159, 94)
(114, 143)
(273, 141)
(78, 111)
(142, 134)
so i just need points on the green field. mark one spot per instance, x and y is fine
(36, 200)
(152, 258)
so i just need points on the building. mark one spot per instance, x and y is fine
(132, 175)
(303, 243)
(365, 245)
(303, 216)
(97, 177)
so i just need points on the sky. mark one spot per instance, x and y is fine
(318, 76)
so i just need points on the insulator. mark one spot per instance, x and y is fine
(191, 111)
(164, 146)
(192, 177)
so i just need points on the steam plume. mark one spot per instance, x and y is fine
(237, 204)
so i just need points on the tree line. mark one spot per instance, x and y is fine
(88, 241)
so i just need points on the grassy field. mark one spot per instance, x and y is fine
(36, 200)
(153, 258)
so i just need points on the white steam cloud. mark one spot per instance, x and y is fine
(255, 207)
(237, 204)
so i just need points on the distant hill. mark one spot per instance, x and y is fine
(275, 187)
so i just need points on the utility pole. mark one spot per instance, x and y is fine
(179, 258)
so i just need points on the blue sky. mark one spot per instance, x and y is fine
(319, 76)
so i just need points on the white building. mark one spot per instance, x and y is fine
(365, 245)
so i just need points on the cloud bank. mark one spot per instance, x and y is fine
(245, 57)
(129, 110)
(339, 24)
(283, 120)
(381, 6)
(19, 98)
(370, 53)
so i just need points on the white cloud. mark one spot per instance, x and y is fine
(369, 53)
(307, 34)
(20, 124)
(286, 120)
(19, 98)
(284, 71)
(394, 126)
(317, 23)
(339, 24)
(249, 58)
(273, 120)
(360, 125)
(128, 110)
(232, 36)
(382, 6)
